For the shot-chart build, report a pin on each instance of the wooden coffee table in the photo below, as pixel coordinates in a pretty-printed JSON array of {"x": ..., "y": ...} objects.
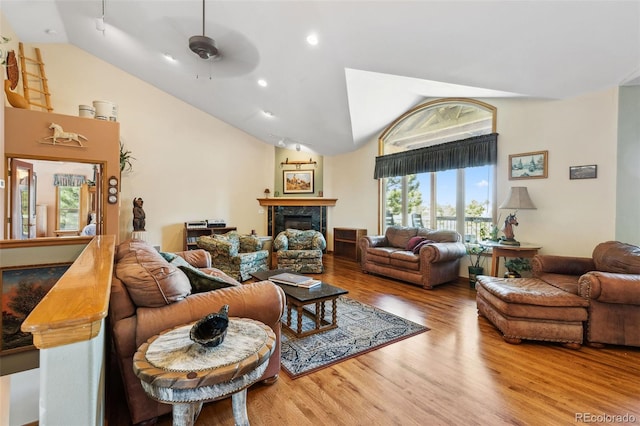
[{"x": 299, "y": 297}]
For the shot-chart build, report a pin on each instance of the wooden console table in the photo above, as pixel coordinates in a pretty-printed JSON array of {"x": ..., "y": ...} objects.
[{"x": 502, "y": 250}]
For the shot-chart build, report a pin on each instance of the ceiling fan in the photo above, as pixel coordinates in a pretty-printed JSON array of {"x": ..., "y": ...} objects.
[{"x": 203, "y": 46}]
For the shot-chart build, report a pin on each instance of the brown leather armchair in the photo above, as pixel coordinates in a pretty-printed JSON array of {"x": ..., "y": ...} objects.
[
  {"x": 138, "y": 311},
  {"x": 610, "y": 281}
]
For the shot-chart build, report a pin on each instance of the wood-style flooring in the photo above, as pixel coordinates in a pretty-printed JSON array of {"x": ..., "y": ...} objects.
[{"x": 460, "y": 372}]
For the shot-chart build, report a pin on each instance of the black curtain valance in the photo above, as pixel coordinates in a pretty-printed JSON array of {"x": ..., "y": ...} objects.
[{"x": 472, "y": 152}]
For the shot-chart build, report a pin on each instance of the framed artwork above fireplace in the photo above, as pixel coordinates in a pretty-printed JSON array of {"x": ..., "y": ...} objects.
[{"x": 297, "y": 182}]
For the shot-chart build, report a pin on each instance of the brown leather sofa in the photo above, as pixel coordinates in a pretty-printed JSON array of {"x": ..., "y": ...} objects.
[
  {"x": 151, "y": 293},
  {"x": 417, "y": 255},
  {"x": 610, "y": 281}
]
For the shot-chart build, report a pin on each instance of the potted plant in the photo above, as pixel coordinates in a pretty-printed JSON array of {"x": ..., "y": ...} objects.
[
  {"x": 125, "y": 159},
  {"x": 474, "y": 252},
  {"x": 515, "y": 266}
]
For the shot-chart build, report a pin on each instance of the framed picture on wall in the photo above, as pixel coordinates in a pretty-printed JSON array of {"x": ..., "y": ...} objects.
[
  {"x": 23, "y": 288},
  {"x": 529, "y": 165},
  {"x": 297, "y": 182},
  {"x": 583, "y": 172}
]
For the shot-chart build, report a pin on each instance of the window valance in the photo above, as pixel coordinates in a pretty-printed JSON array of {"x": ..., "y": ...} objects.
[
  {"x": 62, "y": 179},
  {"x": 472, "y": 152}
]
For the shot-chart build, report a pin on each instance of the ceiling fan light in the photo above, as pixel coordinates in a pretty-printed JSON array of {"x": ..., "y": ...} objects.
[{"x": 203, "y": 46}]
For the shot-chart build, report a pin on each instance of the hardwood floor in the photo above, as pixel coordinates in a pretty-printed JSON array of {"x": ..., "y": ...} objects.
[{"x": 460, "y": 372}]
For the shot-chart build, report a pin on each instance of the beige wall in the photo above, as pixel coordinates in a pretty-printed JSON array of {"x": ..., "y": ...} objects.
[
  {"x": 572, "y": 216},
  {"x": 189, "y": 165}
]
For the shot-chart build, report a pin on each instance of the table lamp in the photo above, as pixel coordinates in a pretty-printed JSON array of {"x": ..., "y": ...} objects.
[{"x": 518, "y": 199}]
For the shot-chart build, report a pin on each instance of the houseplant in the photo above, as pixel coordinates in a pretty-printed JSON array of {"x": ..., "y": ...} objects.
[
  {"x": 474, "y": 253},
  {"x": 515, "y": 266},
  {"x": 125, "y": 159}
]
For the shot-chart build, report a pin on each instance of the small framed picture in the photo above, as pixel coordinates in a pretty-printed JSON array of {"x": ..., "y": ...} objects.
[
  {"x": 298, "y": 182},
  {"x": 529, "y": 165},
  {"x": 583, "y": 172}
]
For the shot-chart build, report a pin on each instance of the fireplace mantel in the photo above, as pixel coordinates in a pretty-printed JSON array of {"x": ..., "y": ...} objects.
[
  {"x": 290, "y": 201},
  {"x": 279, "y": 208}
]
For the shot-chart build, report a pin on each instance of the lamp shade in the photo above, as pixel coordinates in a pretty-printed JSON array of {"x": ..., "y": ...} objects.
[{"x": 518, "y": 199}]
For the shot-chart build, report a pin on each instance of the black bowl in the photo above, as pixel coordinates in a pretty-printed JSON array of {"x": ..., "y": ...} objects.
[{"x": 211, "y": 330}]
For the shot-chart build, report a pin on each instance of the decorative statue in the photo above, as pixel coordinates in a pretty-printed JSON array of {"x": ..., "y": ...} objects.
[
  {"x": 509, "y": 223},
  {"x": 138, "y": 215}
]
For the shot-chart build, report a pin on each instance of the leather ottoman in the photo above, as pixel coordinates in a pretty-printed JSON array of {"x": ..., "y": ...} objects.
[{"x": 531, "y": 309}]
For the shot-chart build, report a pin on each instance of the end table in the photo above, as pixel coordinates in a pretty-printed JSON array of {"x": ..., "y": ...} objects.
[{"x": 175, "y": 370}]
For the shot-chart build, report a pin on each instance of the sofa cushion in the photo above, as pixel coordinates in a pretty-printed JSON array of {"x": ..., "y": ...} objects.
[
  {"x": 249, "y": 243},
  {"x": 226, "y": 244},
  {"x": 150, "y": 280},
  {"x": 440, "y": 235},
  {"x": 617, "y": 257},
  {"x": 399, "y": 236}
]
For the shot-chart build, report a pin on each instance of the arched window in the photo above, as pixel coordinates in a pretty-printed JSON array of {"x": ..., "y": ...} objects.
[{"x": 437, "y": 167}]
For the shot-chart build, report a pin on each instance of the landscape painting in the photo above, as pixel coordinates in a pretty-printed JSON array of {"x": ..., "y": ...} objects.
[
  {"x": 298, "y": 182},
  {"x": 530, "y": 165},
  {"x": 22, "y": 289}
]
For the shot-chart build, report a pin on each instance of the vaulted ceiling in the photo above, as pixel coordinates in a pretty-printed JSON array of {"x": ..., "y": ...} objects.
[{"x": 374, "y": 60}]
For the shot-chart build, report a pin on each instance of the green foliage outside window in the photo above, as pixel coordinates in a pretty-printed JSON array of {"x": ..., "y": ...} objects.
[{"x": 69, "y": 207}]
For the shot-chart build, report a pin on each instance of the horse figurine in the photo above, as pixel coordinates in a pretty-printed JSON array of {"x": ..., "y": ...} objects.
[
  {"x": 510, "y": 221},
  {"x": 62, "y": 137}
]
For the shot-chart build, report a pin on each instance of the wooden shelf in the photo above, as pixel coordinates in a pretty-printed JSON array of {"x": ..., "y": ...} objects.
[
  {"x": 345, "y": 242},
  {"x": 291, "y": 201}
]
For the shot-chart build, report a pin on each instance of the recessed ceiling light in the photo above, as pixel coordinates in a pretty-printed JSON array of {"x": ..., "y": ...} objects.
[
  {"x": 267, "y": 113},
  {"x": 168, "y": 57},
  {"x": 262, "y": 82},
  {"x": 312, "y": 39}
]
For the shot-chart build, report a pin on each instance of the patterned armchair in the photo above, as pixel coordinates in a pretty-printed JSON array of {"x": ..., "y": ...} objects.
[
  {"x": 236, "y": 255},
  {"x": 300, "y": 251}
]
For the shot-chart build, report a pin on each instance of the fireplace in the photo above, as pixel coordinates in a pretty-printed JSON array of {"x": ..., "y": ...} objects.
[
  {"x": 296, "y": 213},
  {"x": 298, "y": 221}
]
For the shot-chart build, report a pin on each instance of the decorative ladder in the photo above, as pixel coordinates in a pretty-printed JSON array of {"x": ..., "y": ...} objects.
[{"x": 38, "y": 77}]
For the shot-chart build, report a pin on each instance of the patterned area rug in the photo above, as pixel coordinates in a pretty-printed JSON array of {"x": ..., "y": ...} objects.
[{"x": 361, "y": 328}]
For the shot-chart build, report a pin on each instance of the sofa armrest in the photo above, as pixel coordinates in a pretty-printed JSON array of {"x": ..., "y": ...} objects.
[
  {"x": 199, "y": 258},
  {"x": 262, "y": 301},
  {"x": 442, "y": 252},
  {"x": 565, "y": 265},
  {"x": 318, "y": 242},
  {"x": 281, "y": 242},
  {"x": 607, "y": 287},
  {"x": 374, "y": 241}
]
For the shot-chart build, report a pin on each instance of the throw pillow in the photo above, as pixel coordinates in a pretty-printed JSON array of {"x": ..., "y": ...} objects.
[
  {"x": 151, "y": 281},
  {"x": 201, "y": 282},
  {"x": 422, "y": 243},
  {"x": 168, "y": 256},
  {"x": 413, "y": 242}
]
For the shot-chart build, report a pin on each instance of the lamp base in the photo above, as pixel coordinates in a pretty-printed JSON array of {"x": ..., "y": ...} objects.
[{"x": 509, "y": 242}]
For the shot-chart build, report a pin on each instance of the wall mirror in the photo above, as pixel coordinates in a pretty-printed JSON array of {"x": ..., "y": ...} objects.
[{"x": 53, "y": 198}]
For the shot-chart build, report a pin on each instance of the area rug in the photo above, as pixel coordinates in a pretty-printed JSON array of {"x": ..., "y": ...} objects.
[{"x": 361, "y": 328}]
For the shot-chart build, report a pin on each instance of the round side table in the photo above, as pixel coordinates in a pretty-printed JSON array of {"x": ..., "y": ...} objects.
[{"x": 173, "y": 369}]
